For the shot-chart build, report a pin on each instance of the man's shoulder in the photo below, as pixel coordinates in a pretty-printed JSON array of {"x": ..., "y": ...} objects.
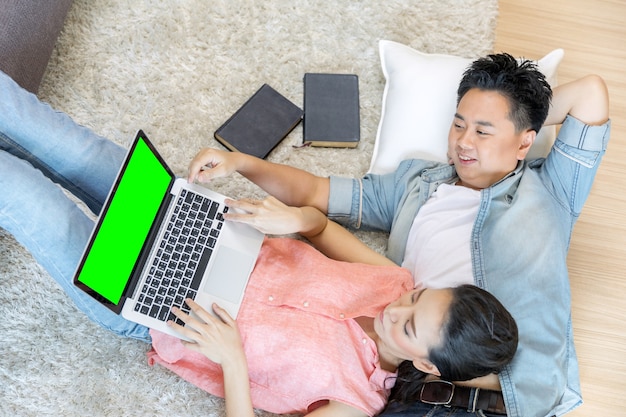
[{"x": 425, "y": 167}]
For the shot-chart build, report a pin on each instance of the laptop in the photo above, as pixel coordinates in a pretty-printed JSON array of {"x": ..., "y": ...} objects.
[{"x": 160, "y": 240}]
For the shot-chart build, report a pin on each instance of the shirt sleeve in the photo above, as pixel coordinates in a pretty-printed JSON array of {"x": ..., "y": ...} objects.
[
  {"x": 571, "y": 166},
  {"x": 343, "y": 201},
  {"x": 591, "y": 140},
  {"x": 372, "y": 202}
]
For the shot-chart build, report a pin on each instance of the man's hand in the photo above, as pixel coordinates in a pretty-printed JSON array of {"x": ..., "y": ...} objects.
[
  {"x": 212, "y": 163},
  {"x": 290, "y": 185}
]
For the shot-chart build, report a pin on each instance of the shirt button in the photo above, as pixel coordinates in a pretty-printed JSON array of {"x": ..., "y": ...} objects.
[
  {"x": 306, "y": 304},
  {"x": 270, "y": 298},
  {"x": 342, "y": 316},
  {"x": 364, "y": 340}
]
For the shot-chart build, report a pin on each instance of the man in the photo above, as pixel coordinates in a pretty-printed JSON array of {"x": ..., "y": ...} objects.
[
  {"x": 42, "y": 150},
  {"x": 489, "y": 217}
]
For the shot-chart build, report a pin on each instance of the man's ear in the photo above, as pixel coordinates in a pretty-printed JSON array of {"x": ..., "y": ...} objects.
[
  {"x": 527, "y": 140},
  {"x": 426, "y": 366}
]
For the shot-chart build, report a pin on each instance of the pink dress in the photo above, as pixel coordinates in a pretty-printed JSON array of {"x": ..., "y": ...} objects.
[{"x": 302, "y": 346}]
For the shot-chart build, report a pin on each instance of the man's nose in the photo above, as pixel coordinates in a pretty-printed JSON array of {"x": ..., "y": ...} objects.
[{"x": 465, "y": 140}]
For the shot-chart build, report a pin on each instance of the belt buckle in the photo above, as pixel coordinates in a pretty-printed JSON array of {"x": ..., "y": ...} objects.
[{"x": 434, "y": 392}]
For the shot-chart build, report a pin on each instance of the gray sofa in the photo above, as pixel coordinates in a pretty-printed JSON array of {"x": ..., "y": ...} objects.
[{"x": 28, "y": 32}]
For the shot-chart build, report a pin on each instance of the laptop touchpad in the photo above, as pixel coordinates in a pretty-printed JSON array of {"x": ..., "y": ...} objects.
[{"x": 229, "y": 274}]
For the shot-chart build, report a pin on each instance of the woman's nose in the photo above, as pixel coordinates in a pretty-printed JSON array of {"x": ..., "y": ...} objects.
[{"x": 396, "y": 312}]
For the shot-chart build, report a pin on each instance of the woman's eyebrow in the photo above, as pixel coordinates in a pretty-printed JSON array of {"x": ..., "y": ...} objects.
[{"x": 415, "y": 313}]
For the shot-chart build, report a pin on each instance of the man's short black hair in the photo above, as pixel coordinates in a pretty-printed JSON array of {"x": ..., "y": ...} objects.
[{"x": 521, "y": 82}]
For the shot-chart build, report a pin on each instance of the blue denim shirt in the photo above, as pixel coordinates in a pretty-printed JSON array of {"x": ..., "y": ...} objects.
[{"x": 519, "y": 248}]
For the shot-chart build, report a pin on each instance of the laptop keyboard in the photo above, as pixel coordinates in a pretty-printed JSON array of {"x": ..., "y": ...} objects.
[{"x": 176, "y": 271}]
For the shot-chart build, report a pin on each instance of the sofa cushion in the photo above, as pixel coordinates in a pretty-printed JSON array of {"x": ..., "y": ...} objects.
[{"x": 28, "y": 32}]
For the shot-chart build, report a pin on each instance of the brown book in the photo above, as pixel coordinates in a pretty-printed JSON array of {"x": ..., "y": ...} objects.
[
  {"x": 331, "y": 110},
  {"x": 260, "y": 124}
]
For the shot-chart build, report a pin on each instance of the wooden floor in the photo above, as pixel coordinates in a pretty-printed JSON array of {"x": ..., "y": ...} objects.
[{"x": 593, "y": 35}]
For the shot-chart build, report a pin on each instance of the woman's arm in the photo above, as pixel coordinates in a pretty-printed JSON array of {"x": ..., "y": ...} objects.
[
  {"x": 290, "y": 185},
  {"x": 586, "y": 99},
  {"x": 274, "y": 217},
  {"x": 237, "y": 389},
  {"x": 219, "y": 340},
  {"x": 335, "y": 408},
  {"x": 338, "y": 243}
]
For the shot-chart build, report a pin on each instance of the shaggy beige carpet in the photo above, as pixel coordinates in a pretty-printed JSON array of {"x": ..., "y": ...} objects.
[{"x": 178, "y": 69}]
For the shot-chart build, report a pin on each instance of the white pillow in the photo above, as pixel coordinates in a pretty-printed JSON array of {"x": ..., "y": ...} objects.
[{"x": 419, "y": 102}]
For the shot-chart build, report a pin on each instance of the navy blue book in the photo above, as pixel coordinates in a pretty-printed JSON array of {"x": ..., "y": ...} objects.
[
  {"x": 331, "y": 110},
  {"x": 260, "y": 124}
]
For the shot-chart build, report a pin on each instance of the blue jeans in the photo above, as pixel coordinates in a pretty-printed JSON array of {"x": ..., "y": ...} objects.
[
  {"x": 419, "y": 409},
  {"x": 40, "y": 150}
]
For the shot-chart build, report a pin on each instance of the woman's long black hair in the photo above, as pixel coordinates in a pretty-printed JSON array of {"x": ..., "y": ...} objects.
[{"x": 479, "y": 337}]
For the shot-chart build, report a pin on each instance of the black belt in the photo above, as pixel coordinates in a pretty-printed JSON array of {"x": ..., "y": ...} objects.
[{"x": 472, "y": 399}]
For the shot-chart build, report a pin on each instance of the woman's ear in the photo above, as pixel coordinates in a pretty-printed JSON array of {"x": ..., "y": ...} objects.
[{"x": 426, "y": 366}]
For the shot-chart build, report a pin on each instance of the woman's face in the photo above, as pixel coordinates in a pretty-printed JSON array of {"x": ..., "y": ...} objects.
[{"x": 411, "y": 325}]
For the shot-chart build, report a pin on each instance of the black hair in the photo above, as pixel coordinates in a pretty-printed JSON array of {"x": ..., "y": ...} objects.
[
  {"x": 520, "y": 82},
  {"x": 479, "y": 337}
]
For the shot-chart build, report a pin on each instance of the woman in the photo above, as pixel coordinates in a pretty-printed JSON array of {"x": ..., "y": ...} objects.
[
  {"x": 42, "y": 148},
  {"x": 316, "y": 330}
]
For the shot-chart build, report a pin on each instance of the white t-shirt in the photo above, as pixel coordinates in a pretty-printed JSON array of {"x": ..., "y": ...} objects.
[{"x": 438, "y": 248}]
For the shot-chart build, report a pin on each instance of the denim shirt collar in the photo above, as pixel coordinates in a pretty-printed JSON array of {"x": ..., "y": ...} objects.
[{"x": 446, "y": 174}]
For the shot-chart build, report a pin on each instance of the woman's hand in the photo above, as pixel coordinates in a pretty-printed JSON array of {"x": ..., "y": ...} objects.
[
  {"x": 268, "y": 216},
  {"x": 217, "y": 338}
]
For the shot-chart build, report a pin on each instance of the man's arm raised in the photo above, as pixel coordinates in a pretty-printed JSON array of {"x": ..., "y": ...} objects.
[{"x": 586, "y": 99}]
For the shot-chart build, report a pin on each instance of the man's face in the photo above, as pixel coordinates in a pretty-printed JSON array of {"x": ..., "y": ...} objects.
[{"x": 483, "y": 144}]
